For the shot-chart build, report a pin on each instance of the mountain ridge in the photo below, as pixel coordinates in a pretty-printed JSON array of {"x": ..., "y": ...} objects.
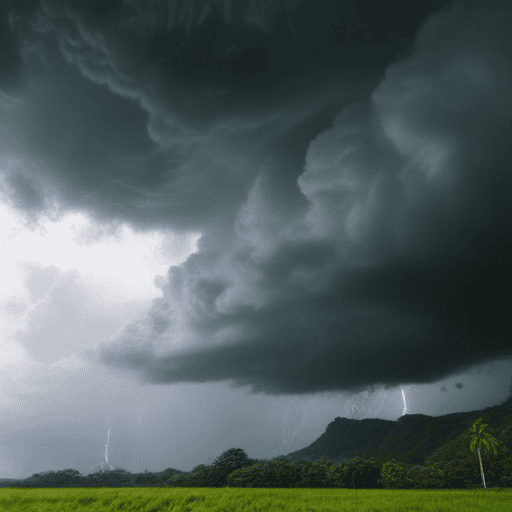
[{"x": 411, "y": 439}]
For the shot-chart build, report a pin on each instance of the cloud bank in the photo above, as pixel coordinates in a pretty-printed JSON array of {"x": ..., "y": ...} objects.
[{"x": 354, "y": 234}]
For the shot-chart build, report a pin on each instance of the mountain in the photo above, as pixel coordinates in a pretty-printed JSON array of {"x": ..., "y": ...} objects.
[{"x": 411, "y": 439}]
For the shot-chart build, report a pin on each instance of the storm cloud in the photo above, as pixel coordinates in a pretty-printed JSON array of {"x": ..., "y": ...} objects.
[{"x": 347, "y": 165}]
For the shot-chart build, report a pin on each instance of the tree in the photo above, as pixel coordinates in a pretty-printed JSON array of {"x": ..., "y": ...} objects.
[
  {"x": 229, "y": 461},
  {"x": 276, "y": 473},
  {"x": 366, "y": 474},
  {"x": 490, "y": 440}
]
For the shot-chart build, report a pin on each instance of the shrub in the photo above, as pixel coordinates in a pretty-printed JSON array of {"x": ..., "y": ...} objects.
[
  {"x": 272, "y": 474},
  {"x": 336, "y": 476},
  {"x": 365, "y": 474},
  {"x": 309, "y": 474}
]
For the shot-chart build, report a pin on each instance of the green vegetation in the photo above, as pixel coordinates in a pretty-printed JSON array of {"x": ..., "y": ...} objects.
[
  {"x": 251, "y": 500},
  {"x": 490, "y": 440},
  {"x": 410, "y": 439}
]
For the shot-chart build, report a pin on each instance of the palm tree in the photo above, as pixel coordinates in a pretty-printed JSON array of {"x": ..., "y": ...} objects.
[{"x": 490, "y": 440}]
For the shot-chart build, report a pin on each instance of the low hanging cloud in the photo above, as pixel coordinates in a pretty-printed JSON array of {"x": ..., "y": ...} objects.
[{"x": 376, "y": 255}]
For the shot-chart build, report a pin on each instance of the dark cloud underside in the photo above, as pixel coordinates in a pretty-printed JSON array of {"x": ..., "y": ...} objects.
[{"x": 348, "y": 164}]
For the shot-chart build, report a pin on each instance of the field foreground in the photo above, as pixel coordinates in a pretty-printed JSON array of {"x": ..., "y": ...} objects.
[{"x": 253, "y": 500}]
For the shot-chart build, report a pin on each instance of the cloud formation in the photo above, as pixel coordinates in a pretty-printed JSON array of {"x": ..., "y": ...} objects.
[{"x": 356, "y": 230}]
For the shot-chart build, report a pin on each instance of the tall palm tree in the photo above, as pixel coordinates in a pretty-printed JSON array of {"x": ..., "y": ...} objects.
[{"x": 490, "y": 440}]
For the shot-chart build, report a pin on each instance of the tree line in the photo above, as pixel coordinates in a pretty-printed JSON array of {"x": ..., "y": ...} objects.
[{"x": 233, "y": 468}]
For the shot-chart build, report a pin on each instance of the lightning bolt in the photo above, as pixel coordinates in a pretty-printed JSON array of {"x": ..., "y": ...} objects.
[
  {"x": 106, "y": 447},
  {"x": 103, "y": 466},
  {"x": 380, "y": 406},
  {"x": 405, "y": 403},
  {"x": 286, "y": 416}
]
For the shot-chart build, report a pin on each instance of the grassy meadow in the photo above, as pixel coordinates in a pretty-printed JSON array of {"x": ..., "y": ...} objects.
[{"x": 253, "y": 500}]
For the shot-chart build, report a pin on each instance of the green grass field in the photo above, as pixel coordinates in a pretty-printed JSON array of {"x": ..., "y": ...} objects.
[{"x": 252, "y": 500}]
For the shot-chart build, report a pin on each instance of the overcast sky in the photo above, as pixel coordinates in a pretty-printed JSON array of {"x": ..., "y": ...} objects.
[{"x": 225, "y": 223}]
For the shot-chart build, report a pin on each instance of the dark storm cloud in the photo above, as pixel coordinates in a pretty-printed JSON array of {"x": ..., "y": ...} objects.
[
  {"x": 125, "y": 134},
  {"x": 355, "y": 208},
  {"x": 158, "y": 113}
]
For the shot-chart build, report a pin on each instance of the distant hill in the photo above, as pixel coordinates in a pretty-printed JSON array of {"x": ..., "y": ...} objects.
[{"x": 412, "y": 439}]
